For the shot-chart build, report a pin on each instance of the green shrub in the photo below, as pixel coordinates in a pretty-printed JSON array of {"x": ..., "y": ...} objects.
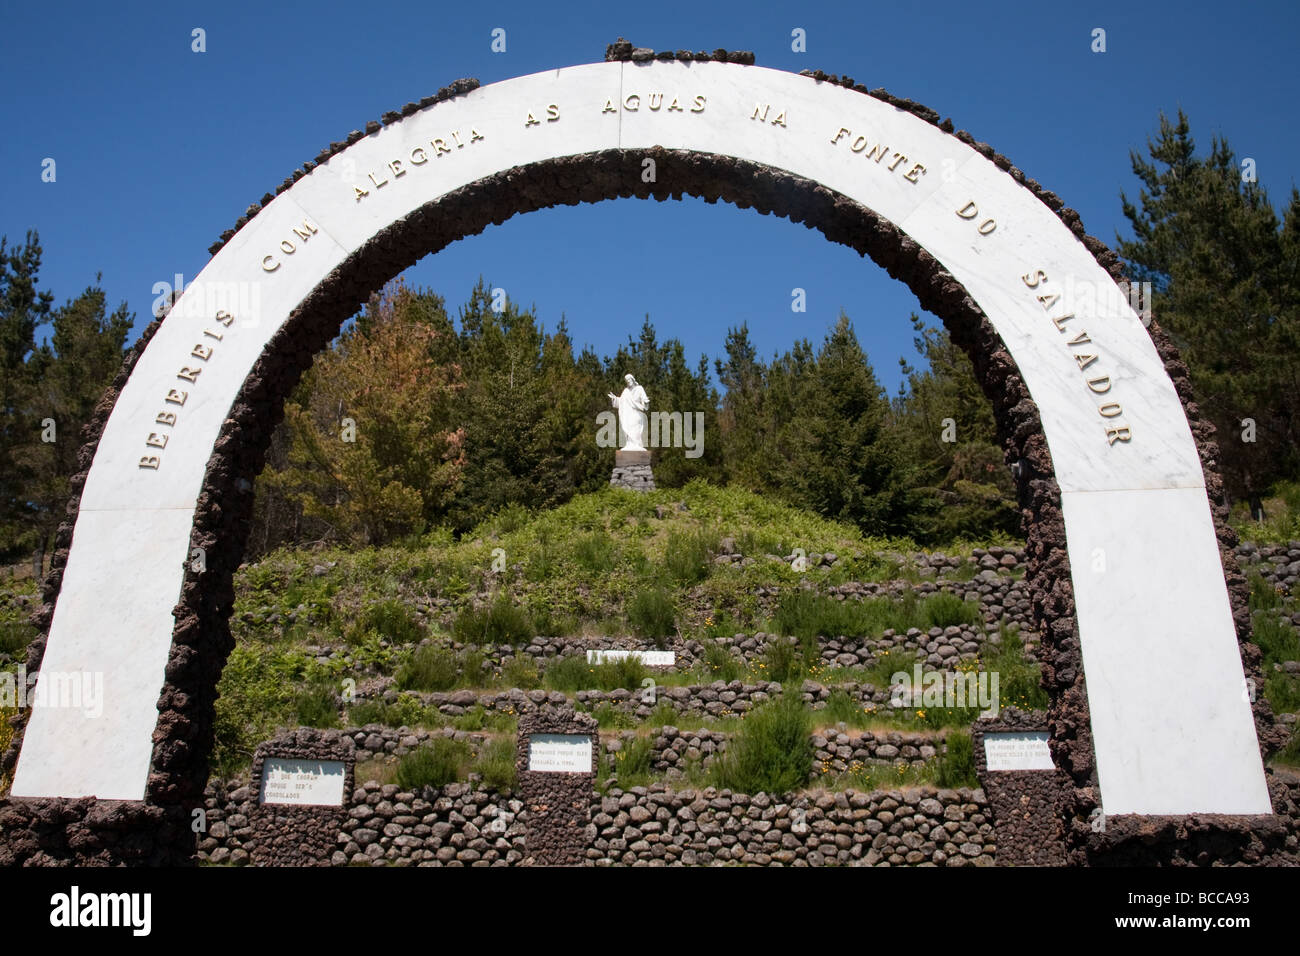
[
  {"x": 436, "y": 764},
  {"x": 632, "y": 762},
  {"x": 1263, "y": 596},
  {"x": 1276, "y": 638},
  {"x": 841, "y": 708},
  {"x": 811, "y": 653},
  {"x": 510, "y": 517},
  {"x": 772, "y": 751},
  {"x": 1281, "y": 523},
  {"x": 546, "y": 623},
  {"x": 663, "y": 715},
  {"x": 687, "y": 556},
  {"x": 430, "y": 668},
  {"x": 1290, "y": 753},
  {"x": 543, "y": 563},
  {"x": 964, "y": 572},
  {"x": 496, "y": 764},
  {"x": 318, "y": 706},
  {"x": 15, "y": 636},
  {"x": 1019, "y": 679},
  {"x": 498, "y": 623},
  {"x": 652, "y": 615},
  {"x": 945, "y": 610},
  {"x": 610, "y": 718},
  {"x": 568, "y": 674},
  {"x": 573, "y": 673},
  {"x": 888, "y": 664},
  {"x": 368, "y": 712},
  {"x": 479, "y": 718},
  {"x": 782, "y": 660},
  {"x": 594, "y": 552},
  {"x": 1283, "y": 692},
  {"x": 472, "y": 664},
  {"x": 720, "y": 664},
  {"x": 406, "y": 711},
  {"x": 755, "y": 544},
  {"x": 805, "y": 614},
  {"x": 627, "y": 673},
  {"x": 520, "y": 671},
  {"x": 472, "y": 720},
  {"x": 721, "y": 623},
  {"x": 257, "y": 694},
  {"x": 389, "y": 618},
  {"x": 956, "y": 767}
]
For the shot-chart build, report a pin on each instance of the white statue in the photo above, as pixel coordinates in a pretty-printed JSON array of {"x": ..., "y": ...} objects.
[{"x": 632, "y": 407}]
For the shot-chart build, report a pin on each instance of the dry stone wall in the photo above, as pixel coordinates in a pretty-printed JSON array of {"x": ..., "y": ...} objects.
[
  {"x": 673, "y": 749},
  {"x": 289, "y": 835},
  {"x": 459, "y": 826},
  {"x": 717, "y": 699}
]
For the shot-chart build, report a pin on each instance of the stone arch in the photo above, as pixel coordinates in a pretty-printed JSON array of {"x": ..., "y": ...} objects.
[{"x": 334, "y": 232}]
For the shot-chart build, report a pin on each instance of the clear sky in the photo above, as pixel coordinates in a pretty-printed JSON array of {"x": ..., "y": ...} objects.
[{"x": 159, "y": 149}]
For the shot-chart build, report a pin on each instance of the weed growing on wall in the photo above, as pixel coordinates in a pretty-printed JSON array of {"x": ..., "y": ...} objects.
[
  {"x": 772, "y": 751},
  {"x": 435, "y": 764}
]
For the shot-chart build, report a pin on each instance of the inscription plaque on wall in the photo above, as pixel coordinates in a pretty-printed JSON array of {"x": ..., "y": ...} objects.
[
  {"x": 1026, "y": 750},
  {"x": 316, "y": 783},
  {"x": 559, "y": 753}
]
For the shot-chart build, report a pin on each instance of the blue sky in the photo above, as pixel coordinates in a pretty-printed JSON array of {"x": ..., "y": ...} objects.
[{"x": 159, "y": 149}]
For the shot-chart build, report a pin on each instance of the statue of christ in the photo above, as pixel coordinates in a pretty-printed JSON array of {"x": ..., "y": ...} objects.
[{"x": 632, "y": 406}]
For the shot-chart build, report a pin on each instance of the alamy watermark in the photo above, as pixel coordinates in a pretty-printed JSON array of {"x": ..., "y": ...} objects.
[
  {"x": 945, "y": 689},
  {"x": 667, "y": 430},
  {"x": 202, "y": 299},
  {"x": 1107, "y": 300},
  {"x": 83, "y": 690}
]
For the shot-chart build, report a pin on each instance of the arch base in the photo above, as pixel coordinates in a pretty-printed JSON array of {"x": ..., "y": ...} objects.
[{"x": 90, "y": 832}]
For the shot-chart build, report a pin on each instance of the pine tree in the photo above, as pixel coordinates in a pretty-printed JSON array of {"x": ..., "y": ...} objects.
[
  {"x": 23, "y": 310},
  {"x": 959, "y": 483},
  {"x": 506, "y": 413},
  {"x": 742, "y": 419},
  {"x": 48, "y": 393},
  {"x": 68, "y": 375},
  {"x": 373, "y": 454},
  {"x": 842, "y": 461},
  {"x": 576, "y": 395},
  {"x": 1224, "y": 274}
]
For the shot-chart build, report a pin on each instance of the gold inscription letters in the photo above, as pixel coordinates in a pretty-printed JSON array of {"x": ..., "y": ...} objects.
[{"x": 1085, "y": 356}]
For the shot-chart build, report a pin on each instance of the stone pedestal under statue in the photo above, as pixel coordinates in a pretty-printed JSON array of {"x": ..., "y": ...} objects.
[
  {"x": 632, "y": 470},
  {"x": 632, "y": 460}
]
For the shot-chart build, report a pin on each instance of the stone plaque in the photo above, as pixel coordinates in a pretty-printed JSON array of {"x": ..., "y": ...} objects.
[
  {"x": 1024, "y": 750},
  {"x": 648, "y": 658},
  {"x": 317, "y": 783},
  {"x": 559, "y": 753}
]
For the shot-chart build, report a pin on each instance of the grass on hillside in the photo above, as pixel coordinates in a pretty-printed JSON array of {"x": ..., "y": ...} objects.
[
  {"x": 600, "y": 555},
  {"x": 266, "y": 688},
  {"x": 1278, "y": 641},
  {"x": 605, "y": 563},
  {"x": 1281, "y": 523},
  {"x": 805, "y": 614}
]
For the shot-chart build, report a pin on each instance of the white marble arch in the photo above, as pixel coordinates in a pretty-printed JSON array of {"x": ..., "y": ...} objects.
[{"x": 1172, "y": 728}]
